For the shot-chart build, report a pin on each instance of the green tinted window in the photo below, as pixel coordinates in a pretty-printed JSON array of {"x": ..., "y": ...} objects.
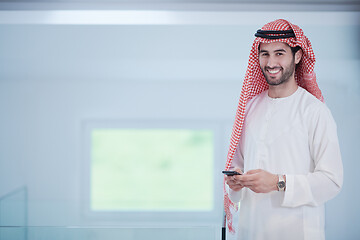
[{"x": 154, "y": 169}]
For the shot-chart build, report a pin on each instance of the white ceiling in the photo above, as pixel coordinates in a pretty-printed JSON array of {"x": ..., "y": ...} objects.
[{"x": 184, "y": 5}]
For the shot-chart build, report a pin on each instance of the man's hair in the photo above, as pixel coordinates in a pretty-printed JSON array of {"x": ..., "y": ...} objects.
[{"x": 295, "y": 49}]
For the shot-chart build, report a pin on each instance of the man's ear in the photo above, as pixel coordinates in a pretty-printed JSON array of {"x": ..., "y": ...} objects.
[{"x": 298, "y": 56}]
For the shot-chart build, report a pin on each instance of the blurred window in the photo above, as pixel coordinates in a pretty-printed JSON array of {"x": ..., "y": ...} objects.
[{"x": 151, "y": 169}]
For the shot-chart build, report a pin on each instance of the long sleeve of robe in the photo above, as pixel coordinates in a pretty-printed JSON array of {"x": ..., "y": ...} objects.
[{"x": 295, "y": 136}]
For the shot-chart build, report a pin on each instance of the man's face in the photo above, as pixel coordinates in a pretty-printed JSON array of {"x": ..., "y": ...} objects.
[{"x": 277, "y": 62}]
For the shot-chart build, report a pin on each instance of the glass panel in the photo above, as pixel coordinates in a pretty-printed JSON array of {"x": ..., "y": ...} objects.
[
  {"x": 13, "y": 213},
  {"x": 107, "y": 233}
]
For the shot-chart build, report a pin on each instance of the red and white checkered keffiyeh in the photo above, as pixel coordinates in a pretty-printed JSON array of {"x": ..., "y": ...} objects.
[{"x": 255, "y": 83}]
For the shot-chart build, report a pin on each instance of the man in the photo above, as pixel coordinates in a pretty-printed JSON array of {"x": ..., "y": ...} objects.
[{"x": 284, "y": 142}]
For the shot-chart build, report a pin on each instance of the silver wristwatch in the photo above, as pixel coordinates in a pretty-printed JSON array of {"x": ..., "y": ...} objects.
[{"x": 281, "y": 183}]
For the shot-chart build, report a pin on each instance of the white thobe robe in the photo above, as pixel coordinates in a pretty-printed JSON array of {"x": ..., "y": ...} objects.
[{"x": 295, "y": 136}]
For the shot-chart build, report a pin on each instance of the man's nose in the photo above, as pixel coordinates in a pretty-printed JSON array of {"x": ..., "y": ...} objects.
[{"x": 271, "y": 63}]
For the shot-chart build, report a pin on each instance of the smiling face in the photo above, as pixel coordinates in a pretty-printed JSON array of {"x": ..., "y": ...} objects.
[{"x": 277, "y": 62}]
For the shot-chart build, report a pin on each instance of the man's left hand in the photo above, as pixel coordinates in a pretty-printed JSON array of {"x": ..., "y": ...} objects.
[{"x": 259, "y": 181}]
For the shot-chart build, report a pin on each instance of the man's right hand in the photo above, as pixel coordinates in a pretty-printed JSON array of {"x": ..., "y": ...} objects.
[{"x": 233, "y": 181}]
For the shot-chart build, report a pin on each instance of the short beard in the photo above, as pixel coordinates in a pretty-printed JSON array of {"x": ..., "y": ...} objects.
[{"x": 284, "y": 78}]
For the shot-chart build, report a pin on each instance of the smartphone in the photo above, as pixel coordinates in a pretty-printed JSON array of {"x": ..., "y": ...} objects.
[{"x": 231, "y": 173}]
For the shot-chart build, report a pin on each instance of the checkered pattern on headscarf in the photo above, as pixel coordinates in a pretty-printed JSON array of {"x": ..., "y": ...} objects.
[{"x": 255, "y": 83}]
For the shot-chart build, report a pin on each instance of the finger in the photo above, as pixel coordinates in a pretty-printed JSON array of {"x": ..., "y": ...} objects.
[
  {"x": 248, "y": 180},
  {"x": 232, "y": 185},
  {"x": 247, "y": 177},
  {"x": 228, "y": 181},
  {"x": 228, "y": 178},
  {"x": 238, "y": 170},
  {"x": 236, "y": 186},
  {"x": 253, "y": 171},
  {"x": 233, "y": 182}
]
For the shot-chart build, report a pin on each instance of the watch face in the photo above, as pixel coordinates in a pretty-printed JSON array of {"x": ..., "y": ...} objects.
[{"x": 281, "y": 184}]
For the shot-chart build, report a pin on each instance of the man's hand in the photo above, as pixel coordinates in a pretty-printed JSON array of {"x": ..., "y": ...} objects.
[
  {"x": 233, "y": 181},
  {"x": 259, "y": 181}
]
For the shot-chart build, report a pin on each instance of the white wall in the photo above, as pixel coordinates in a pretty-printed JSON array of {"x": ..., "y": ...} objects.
[{"x": 55, "y": 77}]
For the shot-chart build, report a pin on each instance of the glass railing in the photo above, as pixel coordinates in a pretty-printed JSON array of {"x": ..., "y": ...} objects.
[
  {"x": 108, "y": 233},
  {"x": 14, "y": 225},
  {"x": 13, "y": 208}
]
